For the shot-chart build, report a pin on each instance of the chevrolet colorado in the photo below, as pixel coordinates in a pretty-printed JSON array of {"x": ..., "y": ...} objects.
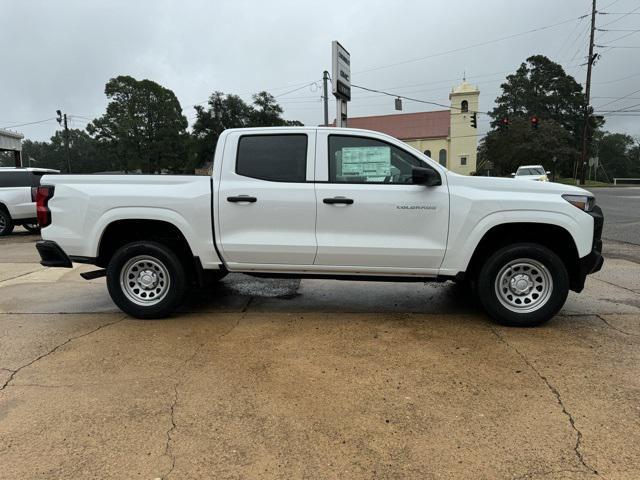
[{"x": 324, "y": 203}]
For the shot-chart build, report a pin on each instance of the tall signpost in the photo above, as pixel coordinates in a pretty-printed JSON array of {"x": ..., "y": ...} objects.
[{"x": 341, "y": 63}]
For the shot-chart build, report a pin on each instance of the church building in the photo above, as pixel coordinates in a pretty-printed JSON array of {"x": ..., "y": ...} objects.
[{"x": 447, "y": 136}]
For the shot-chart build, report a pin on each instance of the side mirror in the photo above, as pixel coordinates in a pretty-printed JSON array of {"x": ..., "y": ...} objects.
[
  {"x": 425, "y": 176},
  {"x": 512, "y": 174}
]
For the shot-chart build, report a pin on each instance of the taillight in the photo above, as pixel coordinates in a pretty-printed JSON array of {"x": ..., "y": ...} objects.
[{"x": 43, "y": 195}]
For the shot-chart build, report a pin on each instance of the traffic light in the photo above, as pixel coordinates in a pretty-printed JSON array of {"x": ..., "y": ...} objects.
[
  {"x": 474, "y": 120},
  {"x": 535, "y": 121}
]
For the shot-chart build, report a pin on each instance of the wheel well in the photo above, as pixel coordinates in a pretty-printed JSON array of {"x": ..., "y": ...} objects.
[
  {"x": 122, "y": 232},
  {"x": 555, "y": 238},
  {"x": 4, "y": 208}
]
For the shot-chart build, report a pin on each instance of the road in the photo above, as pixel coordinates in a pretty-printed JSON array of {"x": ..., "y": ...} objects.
[
  {"x": 262, "y": 379},
  {"x": 621, "y": 207}
]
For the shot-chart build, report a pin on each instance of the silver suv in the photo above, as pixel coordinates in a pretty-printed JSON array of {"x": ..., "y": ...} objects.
[{"x": 18, "y": 189}]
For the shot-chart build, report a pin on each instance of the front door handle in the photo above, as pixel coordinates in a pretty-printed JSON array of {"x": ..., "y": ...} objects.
[
  {"x": 338, "y": 200},
  {"x": 242, "y": 198}
]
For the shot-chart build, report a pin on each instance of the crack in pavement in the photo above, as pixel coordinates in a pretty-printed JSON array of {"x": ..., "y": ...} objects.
[
  {"x": 21, "y": 275},
  {"x": 616, "y": 328},
  {"x": 167, "y": 447},
  {"x": 543, "y": 473},
  {"x": 40, "y": 357},
  {"x": 618, "y": 286},
  {"x": 559, "y": 400}
]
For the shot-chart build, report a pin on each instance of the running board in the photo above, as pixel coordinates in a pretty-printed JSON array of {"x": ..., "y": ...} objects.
[{"x": 95, "y": 274}]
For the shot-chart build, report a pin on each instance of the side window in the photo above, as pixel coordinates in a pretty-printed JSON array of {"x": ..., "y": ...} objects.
[
  {"x": 442, "y": 157},
  {"x": 15, "y": 179},
  {"x": 365, "y": 160},
  {"x": 276, "y": 158}
]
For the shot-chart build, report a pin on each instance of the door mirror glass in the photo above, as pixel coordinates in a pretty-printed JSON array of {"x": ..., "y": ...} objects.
[{"x": 425, "y": 176}]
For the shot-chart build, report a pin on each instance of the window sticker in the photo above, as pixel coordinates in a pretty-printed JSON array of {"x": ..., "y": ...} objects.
[{"x": 366, "y": 161}]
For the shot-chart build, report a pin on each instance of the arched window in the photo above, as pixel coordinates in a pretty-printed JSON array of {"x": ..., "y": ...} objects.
[
  {"x": 464, "y": 106},
  {"x": 427, "y": 153},
  {"x": 442, "y": 157}
]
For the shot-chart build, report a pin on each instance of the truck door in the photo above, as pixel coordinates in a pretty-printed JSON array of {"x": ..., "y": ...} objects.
[
  {"x": 370, "y": 214},
  {"x": 266, "y": 199}
]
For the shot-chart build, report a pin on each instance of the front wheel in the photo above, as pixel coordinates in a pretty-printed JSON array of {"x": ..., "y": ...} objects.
[
  {"x": 146, "y": 280},
  {"x": 523, "y": 285}
]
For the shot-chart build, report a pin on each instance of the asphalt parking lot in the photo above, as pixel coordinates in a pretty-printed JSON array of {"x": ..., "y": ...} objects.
[{"x": 315, "y": 380}]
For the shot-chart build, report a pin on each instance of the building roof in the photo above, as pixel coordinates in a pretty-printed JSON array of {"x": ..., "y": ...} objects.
[{"x": 406, "y": 126}]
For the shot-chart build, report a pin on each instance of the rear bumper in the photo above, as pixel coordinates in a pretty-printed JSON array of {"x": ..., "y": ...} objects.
[
  {"x": 592, "y": 262},
  {"x": 52, "y": 255}
]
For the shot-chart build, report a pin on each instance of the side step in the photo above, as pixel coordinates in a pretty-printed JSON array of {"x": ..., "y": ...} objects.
[{"x": 95, "y": 274}]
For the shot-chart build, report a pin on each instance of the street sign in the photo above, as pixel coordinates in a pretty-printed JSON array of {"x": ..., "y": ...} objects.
[{"x": 341, "y": 62}]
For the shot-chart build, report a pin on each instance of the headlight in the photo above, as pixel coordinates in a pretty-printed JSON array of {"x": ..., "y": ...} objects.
[{"x": 583, "y": 202}]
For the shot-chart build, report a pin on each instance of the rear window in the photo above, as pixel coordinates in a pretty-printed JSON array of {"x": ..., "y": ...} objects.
[{"x": 276, "y": 158}]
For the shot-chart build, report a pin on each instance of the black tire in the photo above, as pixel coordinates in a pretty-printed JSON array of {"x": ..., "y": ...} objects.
[
  {"x": 535, "y": 269},
  {"x": 6, "y": 224},
  {"x": 161, "y": 264},
  {"x": 33, "y": 228}
]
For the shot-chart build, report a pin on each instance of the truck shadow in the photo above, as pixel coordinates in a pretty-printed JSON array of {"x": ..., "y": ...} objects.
[{"x": 242, "y": 292}]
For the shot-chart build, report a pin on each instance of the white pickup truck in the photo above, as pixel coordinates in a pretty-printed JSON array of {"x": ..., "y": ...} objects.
[{"x": 324, "y": 203}]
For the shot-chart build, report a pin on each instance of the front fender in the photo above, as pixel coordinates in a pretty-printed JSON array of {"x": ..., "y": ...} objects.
[{"x": 464, "y": 242}]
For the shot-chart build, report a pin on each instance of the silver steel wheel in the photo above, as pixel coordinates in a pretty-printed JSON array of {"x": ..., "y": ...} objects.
[
  {"x": 523, "y": 285},
  {"x": 145, "y": 280}
]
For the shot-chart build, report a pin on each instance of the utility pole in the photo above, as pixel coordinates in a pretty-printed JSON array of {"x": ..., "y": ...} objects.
[
  {"x": 585, "y": 133},
  {"x": 63, "y": 119},
  {"x": 325, "y": 92}
]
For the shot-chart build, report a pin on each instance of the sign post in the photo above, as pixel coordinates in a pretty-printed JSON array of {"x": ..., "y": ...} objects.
[{"x": 341, "y": 63}]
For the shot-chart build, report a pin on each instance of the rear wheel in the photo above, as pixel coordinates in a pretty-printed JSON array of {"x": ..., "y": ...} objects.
[
  {"x": 523, "y": 285},
  {"x": 6, "y": 225},
  {"x": 146, "y": 280}
]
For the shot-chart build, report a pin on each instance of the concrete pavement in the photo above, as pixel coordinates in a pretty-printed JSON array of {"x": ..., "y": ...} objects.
[
  {"x": 621, "y": 207},
  {"x": 315, "y": 379}
]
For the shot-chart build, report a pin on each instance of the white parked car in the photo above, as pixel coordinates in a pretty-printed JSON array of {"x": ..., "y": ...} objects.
[
  {"x": 322, "y": 202},
  {"x": 531, "y": 172},
  {"x": 18, "y": 197}
]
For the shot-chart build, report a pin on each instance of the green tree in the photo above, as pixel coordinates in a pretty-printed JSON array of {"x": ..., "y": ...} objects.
[
  {"x": 230, "y": 111},
  {"x": 519, "y": 144},
  {"x": 224, "y": 111},
  {"x": 84, "y": 154},
  {"x": 143, "y": 127},
  {"x": 540, "y": 88},
  {"x": 619, "y": 154}
]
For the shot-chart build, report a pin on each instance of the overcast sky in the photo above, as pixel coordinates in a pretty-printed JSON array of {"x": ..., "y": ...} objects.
[{"x": 59, "y": 54}]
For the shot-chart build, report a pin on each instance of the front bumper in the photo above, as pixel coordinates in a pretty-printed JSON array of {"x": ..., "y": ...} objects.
[
  {"x": 592, "y": 262},
  {"x": 52, "y": 255}
]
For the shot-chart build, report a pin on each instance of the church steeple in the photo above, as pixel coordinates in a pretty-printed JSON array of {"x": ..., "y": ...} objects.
[{"x": 463, "y": 137}]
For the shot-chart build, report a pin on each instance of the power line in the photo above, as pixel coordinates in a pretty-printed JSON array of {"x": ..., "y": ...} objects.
[
  {"x": 617, "y": 79},
  {"x": 395, "y": 95},
  {"x": 488, "y": 42},
  {"x": 618, "y": 99},
  {"x": 624, "y": 15},
  {"x": 29, "y": 123},
  {"x": 617, "y": 46},
  {"x": 295, "y": 89}
]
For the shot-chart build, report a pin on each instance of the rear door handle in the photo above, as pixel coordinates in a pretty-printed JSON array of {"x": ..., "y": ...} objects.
[
  {"x": 242, "y": 198},
  {"x": 338, "y": 200}
]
